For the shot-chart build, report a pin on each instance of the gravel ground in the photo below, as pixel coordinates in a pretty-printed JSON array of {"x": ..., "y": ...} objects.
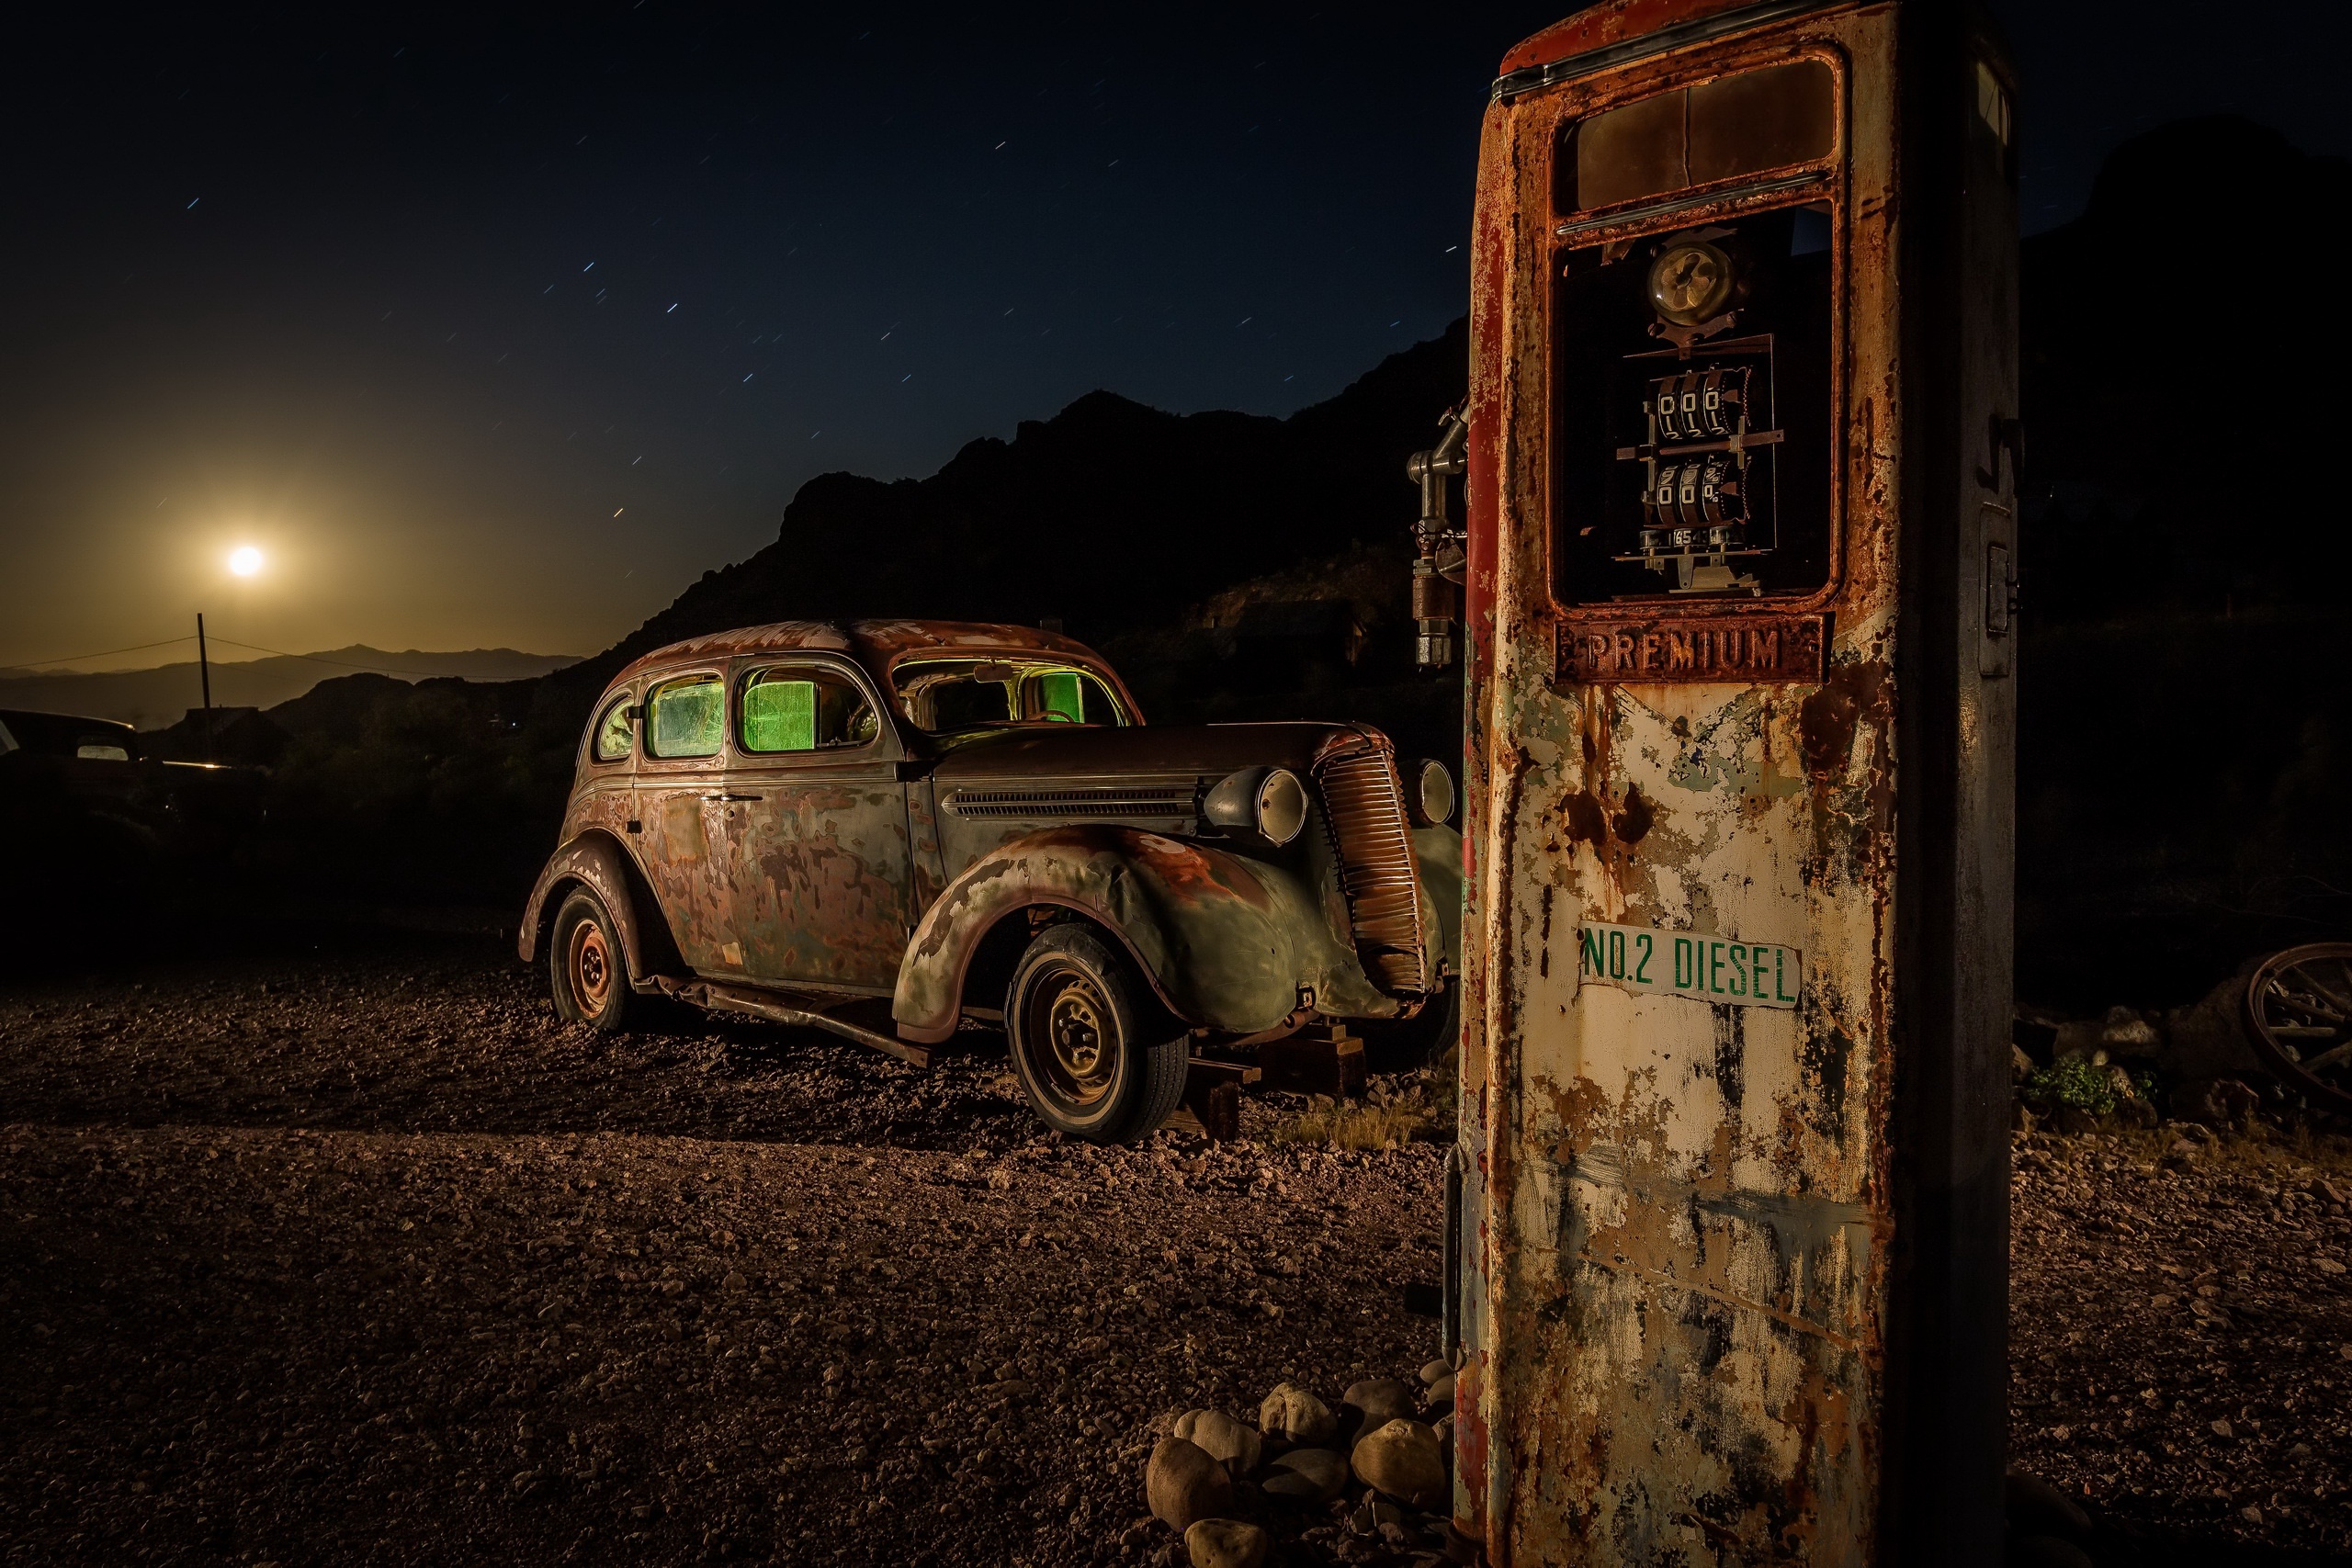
[
  {"x": 349, "y": 1253},
  {"x": 2181, "y": 1332},
  {"x": 362, "y": 1258}
]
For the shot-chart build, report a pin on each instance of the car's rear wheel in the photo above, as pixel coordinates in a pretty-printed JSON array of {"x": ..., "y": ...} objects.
[
  {"x": 1097, "y": 1056},
  {"x": 587, "y": 966}
]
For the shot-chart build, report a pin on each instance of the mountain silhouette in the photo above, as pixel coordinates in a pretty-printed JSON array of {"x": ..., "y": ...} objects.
[
  {"x": 160, "y": 696},
  {"x": 1110, "y": 517}
]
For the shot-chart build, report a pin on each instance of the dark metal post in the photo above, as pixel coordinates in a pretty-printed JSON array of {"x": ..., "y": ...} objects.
[{"x": 204, "y": 673}]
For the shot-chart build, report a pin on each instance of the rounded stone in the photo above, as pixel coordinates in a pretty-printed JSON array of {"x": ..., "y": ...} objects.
[
  {"x": 1295, "y": 1415},
  {"x": 1405, "y": 1460},
  {"x": 1182, "y": 1483},
  {"x": 1313, "y": 1475},
  {"x": 1224, "y": 1543},
  {"x": 1222, "y": 1438},
  {"x": 1433, "y": 1370},
  {"x": 1382, "y": 1400}
]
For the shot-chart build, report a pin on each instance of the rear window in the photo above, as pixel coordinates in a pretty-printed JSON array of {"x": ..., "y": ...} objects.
[
  {"x": 687, "y": 718},
  {"x": 614, "y": 731}
]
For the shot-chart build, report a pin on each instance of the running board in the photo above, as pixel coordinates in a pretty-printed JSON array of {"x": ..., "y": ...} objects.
[{"x": 766, "y": 1005}]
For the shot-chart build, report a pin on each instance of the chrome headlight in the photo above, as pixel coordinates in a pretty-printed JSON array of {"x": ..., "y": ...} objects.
[
  {"x": 1270, "y": 802},
  {"x": 1429, "y": 789}
]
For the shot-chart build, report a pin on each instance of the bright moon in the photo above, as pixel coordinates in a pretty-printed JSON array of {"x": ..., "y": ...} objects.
[{"x": 245, "y": 561}]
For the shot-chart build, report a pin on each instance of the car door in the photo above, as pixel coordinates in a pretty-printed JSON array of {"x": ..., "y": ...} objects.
[
  {"x": 819, "y": 873},
  {"x": 681, "y": 813}
]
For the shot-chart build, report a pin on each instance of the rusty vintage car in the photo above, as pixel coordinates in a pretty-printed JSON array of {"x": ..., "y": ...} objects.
[{"x": 974, "y": 822}]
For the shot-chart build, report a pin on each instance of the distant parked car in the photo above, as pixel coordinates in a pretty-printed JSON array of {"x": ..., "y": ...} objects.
[
  {"x": 974, "y": 822},
  {"x": 109, "y": 849},
  {"x": 83, "y": 791}
]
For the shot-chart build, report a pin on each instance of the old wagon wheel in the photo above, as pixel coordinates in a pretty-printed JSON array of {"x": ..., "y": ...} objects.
[{"x": 2298, "y": 1015}]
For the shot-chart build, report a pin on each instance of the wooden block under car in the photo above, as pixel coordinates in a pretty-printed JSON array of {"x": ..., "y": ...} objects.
[
  {"x": 1212, "y": 1104},
  {"x": 1322, "y": 1059}
]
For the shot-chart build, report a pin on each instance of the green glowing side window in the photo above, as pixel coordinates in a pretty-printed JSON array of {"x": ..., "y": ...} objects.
[
  {"x": 1060, "y": 691},
  {"x": 686, "y": 717},
  {"x": 803, "y": 708},
  {"x": 779, "y": 715}
]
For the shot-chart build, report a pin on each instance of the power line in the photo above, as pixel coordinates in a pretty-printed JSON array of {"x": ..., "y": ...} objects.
[{"x": 77, "y": 658}]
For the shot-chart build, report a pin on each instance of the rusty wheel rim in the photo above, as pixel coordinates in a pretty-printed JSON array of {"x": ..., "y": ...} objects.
[
  {"x": 2298, "y": 1013},
  {"x": 1071, "y": 1021},
  {"x": 588, "y": 964}
]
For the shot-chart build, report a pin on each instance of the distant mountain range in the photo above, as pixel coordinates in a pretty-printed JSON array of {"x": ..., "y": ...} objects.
[{"x": 153, "y": 698}]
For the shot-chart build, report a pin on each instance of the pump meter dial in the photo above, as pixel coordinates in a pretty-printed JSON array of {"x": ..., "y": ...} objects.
[{"x": 1691, "y": 283}]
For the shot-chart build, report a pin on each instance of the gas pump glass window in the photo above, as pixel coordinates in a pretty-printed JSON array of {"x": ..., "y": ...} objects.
[
  {"x": 1693, "y": 387},
  {"x": 685, "y": 718},
  {"x": 803, "y": 708},
  {"x": 942, "y": 695}
]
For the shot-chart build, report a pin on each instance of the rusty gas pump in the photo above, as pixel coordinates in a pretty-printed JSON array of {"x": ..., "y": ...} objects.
[{"x": 1740, "y": 503}]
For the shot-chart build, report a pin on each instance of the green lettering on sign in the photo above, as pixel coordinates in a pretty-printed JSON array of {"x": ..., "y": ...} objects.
[{"x": 1704, "y": 967}]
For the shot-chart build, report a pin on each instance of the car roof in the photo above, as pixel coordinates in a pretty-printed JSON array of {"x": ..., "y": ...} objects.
[
  {"x": 876, "y": 645},
  {"x": 62, "y": 732}
]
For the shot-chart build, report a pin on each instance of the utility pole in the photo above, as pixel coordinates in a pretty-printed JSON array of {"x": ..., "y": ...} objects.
[{"x": 204, "y": 673}]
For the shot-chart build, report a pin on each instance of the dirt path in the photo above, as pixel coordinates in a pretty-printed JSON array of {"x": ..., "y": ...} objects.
[{"x": 353, "y": 1255}]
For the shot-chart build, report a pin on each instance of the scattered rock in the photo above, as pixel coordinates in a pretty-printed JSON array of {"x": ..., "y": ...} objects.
[
  {"x": 1382, "y": 1400},
  {"x": 1183, "y": 1483},
  {"x": 1434, "y": 1370},
  {"x": 1221, "y": 1438},
  {"x": 1310, "y": 1475},
  {"x": 1295, "y": 1415},
  {"x": 2208, "y": 1039},
  {"x": 1224, "y": 1543},
  {"x": 1440, "y": 1393},
  {"x": 2220, "y": 1103},
  {"x": 1403, "y": 1460}
]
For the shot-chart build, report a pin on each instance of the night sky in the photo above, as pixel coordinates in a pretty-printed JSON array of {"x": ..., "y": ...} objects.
[{"x": 501, "y": 332}]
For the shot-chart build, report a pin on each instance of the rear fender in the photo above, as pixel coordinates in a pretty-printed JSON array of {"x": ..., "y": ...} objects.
[
  {"x": 1215, "y": 934},
  {"x": 595, "y": 859}
]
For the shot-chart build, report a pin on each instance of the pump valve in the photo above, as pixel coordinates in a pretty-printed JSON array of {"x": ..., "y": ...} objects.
[{"x": 1440, "y": 557}]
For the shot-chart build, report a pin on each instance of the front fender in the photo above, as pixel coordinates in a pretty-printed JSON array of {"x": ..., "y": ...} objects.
[
  {"x": 1218, "y": 938},
  {"x": 597, "y": 860},
  {"x": 1437, "y": 856}
]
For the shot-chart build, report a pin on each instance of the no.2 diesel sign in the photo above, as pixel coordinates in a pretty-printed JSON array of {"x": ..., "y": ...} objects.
[{"x": 1702, "y": 966}]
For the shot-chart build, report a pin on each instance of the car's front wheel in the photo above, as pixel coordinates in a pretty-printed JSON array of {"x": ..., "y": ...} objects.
[
  {"x": 1097, "y": 1056},
  {"x": 587, "y": 966}
]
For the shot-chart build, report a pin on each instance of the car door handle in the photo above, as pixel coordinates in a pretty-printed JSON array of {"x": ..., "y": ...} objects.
[{"x": 724, "y": 797}]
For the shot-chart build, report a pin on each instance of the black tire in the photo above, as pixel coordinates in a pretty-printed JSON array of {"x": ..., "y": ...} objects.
[
  {"x": 587, "y": 965},
  {"x": 1097, "y": 1055},
  {"x": 1406, "y": 1046}
]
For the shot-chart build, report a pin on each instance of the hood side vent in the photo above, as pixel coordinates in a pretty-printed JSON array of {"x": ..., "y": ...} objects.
[{"x": 1104, "y": 802}]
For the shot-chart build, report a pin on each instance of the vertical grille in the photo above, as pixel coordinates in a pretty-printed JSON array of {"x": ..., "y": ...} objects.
[{"x": 1364, "y": 807}]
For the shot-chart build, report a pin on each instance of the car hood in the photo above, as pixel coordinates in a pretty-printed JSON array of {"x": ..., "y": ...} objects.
[{"x": 1142, "y": 750}]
